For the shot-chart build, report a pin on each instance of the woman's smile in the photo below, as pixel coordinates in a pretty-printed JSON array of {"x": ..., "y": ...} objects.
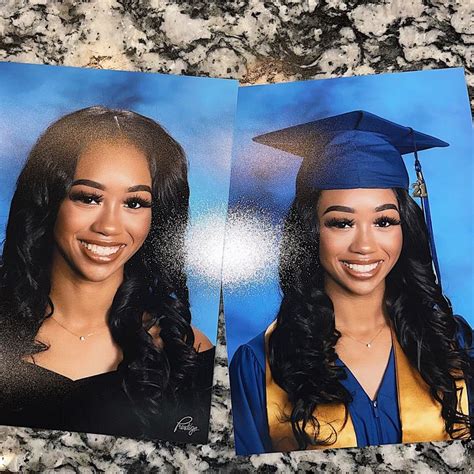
[
  {"x": 363, "y": 269},
  {"x": 103, "y": 251}
]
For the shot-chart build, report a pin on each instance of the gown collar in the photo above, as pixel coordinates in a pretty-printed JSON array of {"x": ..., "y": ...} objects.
[{"x": 420, "y": 413}]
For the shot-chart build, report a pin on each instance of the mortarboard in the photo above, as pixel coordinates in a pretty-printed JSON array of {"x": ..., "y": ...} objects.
[{"x": 356, "y": 150}]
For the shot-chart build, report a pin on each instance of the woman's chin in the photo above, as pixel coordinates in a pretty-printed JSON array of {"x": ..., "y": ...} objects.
[
  {"x": 355, "y": 287},
  {"x": 363, "y": 290},
  {"x": 98, "y": 275}
]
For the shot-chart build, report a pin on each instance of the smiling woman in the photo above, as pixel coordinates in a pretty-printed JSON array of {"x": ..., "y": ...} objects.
[
  {"x": 365, "y": 349},
  {"x": 95, "y": 327}
]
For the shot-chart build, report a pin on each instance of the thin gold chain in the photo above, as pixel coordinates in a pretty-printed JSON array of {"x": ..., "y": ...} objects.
[
  {"x": 80, "y": 337},
  {"x": 366, "y": 344}
]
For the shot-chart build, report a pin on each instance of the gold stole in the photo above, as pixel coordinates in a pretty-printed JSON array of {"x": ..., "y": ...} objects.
[{"x": 420, "y": 414}]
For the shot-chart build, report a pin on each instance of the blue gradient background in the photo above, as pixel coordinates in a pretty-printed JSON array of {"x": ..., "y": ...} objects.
[
  {"x": 198, "y": 112},
  {"x": 433, "y": 102}
]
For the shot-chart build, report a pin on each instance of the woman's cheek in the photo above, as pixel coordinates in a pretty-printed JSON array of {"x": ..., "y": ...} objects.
[
  {"x": 71, "y": 219},
  {"x": 329, "y": 247},
  {"x": 333, "y": 242},
  {"x": 140, "y": 225},
  {"x": 392, "y": 242}
]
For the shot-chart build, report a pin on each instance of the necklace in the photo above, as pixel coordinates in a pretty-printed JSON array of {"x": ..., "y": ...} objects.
[
  {"x": 83, "y": 337},
  {"x": 366, "y": 344}
]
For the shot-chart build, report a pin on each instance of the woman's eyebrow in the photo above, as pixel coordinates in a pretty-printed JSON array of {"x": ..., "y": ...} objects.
[
  {"x": 88, "y": 182},
  {"x": 340, "y": 209},
  {"x": 139, "y": 187},
  {"x": 384, "y": 207},
  {"x": 95, "y": 184}
]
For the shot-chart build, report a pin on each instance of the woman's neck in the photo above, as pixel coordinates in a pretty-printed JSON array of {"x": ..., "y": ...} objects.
[
  {"x": 357, "y": 313},
  {"x": 78, "y": 302}
]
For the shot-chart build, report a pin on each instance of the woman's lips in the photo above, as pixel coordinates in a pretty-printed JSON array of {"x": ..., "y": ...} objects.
[
  {"x": 362, "y": 269},
  {"x": 103, "y": 252}
]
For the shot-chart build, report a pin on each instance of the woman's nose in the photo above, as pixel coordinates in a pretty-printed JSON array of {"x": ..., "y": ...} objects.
[
  {"x": 364, "y": 241},
  {"x": 108, "y": 221}
]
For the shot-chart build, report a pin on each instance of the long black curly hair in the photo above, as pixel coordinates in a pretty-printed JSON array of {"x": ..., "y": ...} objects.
[
  {"x": 302, "y": 346},
  {"x": 154, "y": 279}
]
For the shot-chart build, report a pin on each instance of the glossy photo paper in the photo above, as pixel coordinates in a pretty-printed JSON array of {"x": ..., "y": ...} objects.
[
  {"x": 113, "y": 200},
  {"x": 347, "y": 290}
]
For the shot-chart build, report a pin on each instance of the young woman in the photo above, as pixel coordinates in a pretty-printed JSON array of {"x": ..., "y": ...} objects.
[
  {"x": 95, "y": 325},
  {"x": 365, "y": 349}
]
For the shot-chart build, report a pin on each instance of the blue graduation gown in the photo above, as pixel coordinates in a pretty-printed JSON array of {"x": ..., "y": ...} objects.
[{"x": 375, "y": 422}]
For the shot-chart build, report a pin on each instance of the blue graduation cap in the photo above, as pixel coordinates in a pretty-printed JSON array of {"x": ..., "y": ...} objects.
[{"x": 357, "y": 150}]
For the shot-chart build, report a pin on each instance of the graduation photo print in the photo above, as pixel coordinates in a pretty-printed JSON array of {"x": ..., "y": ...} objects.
[
  {"x": 348, "y": 268},
  {"x": 111, "y": 183}
]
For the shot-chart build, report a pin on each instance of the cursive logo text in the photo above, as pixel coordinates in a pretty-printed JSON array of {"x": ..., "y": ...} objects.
[{"x": 186, "y": 424}]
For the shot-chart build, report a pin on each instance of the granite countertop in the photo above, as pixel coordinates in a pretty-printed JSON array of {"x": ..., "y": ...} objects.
[{"x": 257, "y": 42}]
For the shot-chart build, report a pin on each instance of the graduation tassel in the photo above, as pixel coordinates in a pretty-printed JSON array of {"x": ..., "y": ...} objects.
[{"x": 420, "y": 191}]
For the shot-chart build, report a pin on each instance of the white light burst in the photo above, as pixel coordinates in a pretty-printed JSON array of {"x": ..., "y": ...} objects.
[
  {"x": 251, "y": 249},
  {"x": 204, "y": 246}
]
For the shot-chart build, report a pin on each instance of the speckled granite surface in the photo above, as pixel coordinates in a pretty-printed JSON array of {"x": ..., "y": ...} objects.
[{"x": 256, "y": 42}]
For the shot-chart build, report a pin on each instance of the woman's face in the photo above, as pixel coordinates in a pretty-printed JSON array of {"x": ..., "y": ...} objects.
[
  {"x": 360, "y": 238},
  {"x": 106, "y": 216}
]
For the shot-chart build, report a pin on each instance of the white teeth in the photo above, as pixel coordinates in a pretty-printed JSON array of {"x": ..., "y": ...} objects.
[
  {"x": 361, "y": 268},
  {"x": 101, "y": 250}
]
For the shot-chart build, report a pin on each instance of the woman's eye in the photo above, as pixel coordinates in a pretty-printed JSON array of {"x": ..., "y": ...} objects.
[
  {"x": 339, "y": 223},
  {"x": 89, "y": 200},
  {"x": 137, "y": 203},
  {"x": 386, "y": 222},
  {"x": 85, "y": 198},
  {"x": 133, "y": 205}
]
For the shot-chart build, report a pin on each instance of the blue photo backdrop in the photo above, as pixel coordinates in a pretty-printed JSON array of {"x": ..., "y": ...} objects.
[
  {"x": 263, "y": 179},
  {"x": 197, "y": 112}
]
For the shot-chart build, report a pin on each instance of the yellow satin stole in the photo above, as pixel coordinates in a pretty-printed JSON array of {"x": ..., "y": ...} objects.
[{"x": 420, "y": 414}]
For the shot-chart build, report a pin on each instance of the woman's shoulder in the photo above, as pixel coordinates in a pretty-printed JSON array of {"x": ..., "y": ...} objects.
[
  {"x": 464, "y": 332},
  {"x": 251, "y": 354},
  {"x": 201, "y": 341},
  {"x": 205, "y": 353}
]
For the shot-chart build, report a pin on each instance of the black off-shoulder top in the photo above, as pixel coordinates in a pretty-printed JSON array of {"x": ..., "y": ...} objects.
[{"x": 35, "y": 397}]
